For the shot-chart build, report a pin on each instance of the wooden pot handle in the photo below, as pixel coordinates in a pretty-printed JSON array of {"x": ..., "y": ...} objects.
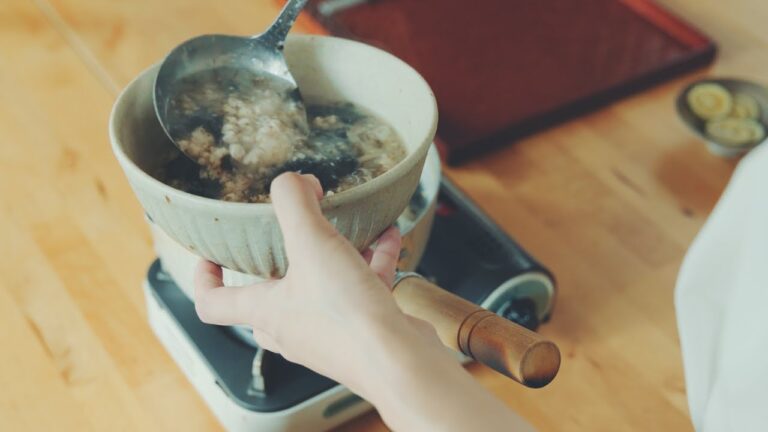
[{"x": 499, "y": 343}]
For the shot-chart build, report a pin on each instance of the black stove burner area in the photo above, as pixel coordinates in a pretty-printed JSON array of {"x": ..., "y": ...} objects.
[
  {"x": 231, "y": 360},
  {"x": 470, "y": 255},
  {"x": 467, "y": 254}
]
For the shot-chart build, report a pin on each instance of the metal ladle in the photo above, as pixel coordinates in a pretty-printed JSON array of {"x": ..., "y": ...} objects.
[{"x": 261, "y": 54}]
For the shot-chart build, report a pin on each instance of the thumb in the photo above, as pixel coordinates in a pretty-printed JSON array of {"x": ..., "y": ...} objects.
[{"x": 295, "y": 200}]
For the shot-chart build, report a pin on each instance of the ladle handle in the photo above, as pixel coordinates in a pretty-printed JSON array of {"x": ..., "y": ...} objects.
[
  {"x": 510, "y": 349},
  {"x": 278, "y": 31}
]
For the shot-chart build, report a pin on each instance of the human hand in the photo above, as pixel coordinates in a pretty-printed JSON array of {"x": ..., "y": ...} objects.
[
  {"x": 332, "y": 306},
  {"x": 334, "y": 313}
]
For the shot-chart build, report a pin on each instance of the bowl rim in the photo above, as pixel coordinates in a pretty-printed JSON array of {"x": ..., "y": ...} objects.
[{"x": 133, "y": 171}]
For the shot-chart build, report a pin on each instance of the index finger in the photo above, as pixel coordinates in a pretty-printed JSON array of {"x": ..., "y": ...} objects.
[{"x": 223, "y": 305}]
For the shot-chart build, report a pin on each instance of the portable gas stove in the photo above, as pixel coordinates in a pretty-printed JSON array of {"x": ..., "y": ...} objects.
[{"x": 249, "y": 388}]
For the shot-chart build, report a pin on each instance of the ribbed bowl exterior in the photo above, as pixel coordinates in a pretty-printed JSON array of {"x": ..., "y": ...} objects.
[
  {"x": 180, "y": 263},
  {"x": 252, "y": 242}
]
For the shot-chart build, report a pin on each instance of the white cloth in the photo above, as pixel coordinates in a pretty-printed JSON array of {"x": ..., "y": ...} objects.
[{"x": 722, "y": 307}]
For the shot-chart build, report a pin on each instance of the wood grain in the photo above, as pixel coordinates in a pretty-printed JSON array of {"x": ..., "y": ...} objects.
[{"x": 609, "y": 201}]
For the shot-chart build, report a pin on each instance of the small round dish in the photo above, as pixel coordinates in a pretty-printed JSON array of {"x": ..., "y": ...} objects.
[{"x": 699, "y": 125}]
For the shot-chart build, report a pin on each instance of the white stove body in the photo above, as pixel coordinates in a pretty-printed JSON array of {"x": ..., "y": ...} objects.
[{"x": 319, "y": 413}]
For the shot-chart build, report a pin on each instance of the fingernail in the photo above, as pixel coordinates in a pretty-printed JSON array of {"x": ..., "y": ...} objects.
[{"x": 316, "y": 185}]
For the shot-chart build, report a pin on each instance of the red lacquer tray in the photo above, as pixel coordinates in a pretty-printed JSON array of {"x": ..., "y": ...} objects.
[{"x": 502, "y": 69}]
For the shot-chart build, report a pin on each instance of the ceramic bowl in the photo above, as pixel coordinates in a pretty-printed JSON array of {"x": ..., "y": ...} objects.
[
  {"x": 246, "y": 237},
  {"x": 415, "y": 225}
]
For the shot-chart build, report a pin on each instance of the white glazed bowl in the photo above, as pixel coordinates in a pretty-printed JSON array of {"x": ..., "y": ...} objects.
[
  {"x": 415, "y": 225},
  {"x": 246, "y": 237}
]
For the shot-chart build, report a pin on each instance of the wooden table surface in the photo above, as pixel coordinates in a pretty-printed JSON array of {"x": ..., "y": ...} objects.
[{"x": 609, "y": 202}]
